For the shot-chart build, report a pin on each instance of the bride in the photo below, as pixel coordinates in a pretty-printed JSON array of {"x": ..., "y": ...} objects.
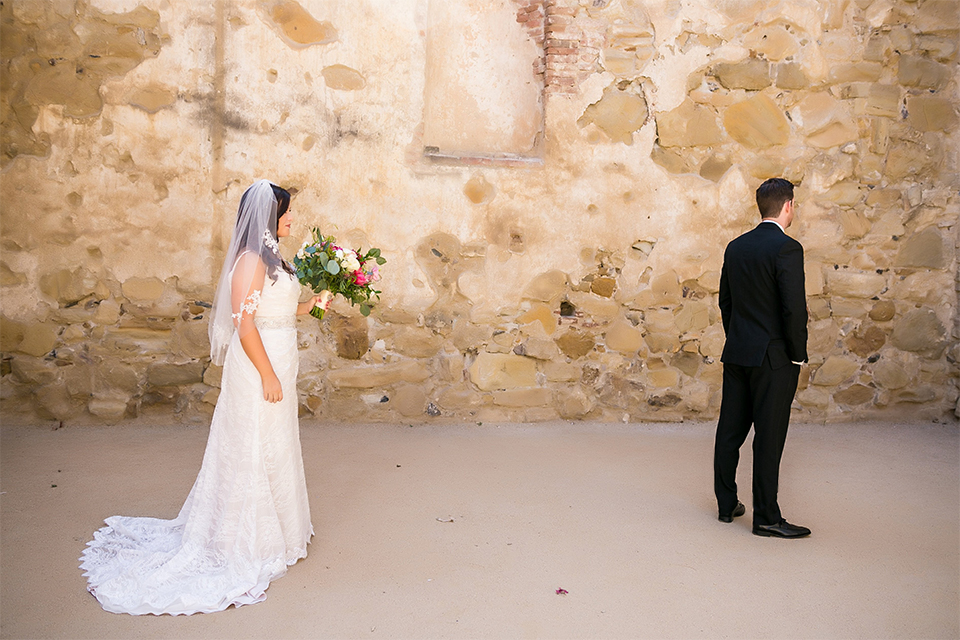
[{"x": 247, "y": 517}]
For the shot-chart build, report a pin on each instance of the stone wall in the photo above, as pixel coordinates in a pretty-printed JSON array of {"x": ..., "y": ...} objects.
[{"x": 575, "y": 279}]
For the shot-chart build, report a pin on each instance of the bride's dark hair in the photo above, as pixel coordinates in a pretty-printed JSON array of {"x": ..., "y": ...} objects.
[
  {"x": 283, "y": 201},
  {"x": 283, "y": 204}
]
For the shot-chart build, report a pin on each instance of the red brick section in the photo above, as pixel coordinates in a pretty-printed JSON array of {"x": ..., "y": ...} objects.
[{"x": 570, "y": 48}]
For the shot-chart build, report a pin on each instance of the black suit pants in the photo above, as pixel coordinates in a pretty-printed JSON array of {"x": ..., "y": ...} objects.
[{"x": 760, "y": 396}]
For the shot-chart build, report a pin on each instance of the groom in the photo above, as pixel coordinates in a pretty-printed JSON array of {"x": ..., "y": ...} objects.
[{"x": 764, "y": 313}]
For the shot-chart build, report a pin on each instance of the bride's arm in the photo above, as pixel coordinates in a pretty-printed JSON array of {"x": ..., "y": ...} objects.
[{"x": 246, "y": 286}]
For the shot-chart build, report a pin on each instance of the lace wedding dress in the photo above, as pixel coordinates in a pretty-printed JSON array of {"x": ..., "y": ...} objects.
[{"x": 246, "y": 518}]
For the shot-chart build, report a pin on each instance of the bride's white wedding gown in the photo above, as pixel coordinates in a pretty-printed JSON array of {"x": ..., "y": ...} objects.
[{"x": 246, "y": 518}]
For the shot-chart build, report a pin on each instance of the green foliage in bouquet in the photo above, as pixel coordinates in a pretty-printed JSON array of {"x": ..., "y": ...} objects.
[{"x": 322, "y": 264}]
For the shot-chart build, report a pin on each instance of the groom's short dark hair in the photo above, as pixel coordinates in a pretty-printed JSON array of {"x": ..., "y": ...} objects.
[{"x": 771, "y": 195}]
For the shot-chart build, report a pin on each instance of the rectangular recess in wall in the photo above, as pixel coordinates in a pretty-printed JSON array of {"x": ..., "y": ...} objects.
[{"x": 483, "y": 100}]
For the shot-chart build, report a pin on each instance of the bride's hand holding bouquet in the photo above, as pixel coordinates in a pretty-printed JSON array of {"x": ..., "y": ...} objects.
[{"x": 324, "y": 266}]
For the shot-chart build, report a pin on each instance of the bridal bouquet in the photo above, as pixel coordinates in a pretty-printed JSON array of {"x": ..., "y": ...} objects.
[{"x": 321, "y": 264}]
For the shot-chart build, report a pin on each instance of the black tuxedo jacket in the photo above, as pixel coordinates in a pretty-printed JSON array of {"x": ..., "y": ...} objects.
[{"x": 762, "y": 301}]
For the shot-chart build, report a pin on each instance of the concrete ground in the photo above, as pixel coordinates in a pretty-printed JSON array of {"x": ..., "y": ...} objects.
[{"x": 620, "y": 516}]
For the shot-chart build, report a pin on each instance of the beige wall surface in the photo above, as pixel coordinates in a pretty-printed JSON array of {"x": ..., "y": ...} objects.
[{"x": 559, "y": 258}]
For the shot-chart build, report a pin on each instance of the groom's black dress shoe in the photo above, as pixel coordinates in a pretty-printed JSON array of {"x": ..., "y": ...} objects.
[
  {"x": 738, "y": 511},
  {"x": 782, "y": 529}
]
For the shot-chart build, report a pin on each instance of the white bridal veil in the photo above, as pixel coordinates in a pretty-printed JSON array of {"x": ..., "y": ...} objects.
[{"x": 253, "y": 255}]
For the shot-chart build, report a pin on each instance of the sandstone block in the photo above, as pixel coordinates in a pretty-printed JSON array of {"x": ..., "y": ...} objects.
[
  {"x": 773, "y": 41},
  {"x": 603, "y": 286},
  {"x": 890, "y": 374},
  {"x": 110, "y": 407},
  {"x": 790, "y": 75},
  {"x": 757, "y": 123},
  {"x": 118, "y": 376},
  {"x": 938, "y": 16},
  {"x": 211, "y": 397},
  {"x": 917, "y": 395},
  {"x": 835, "y": 370},
  {"x": 212, "y": 376},
  {"x": 69, "y": 287},
  {"x": 819, "y": 308},
  {"x": 856, "y": 72},
  {"x": 918, "y": 71},
  {"x": 143, "y": 289},
  {"x": 883, "y": 100},
  {"x": 919, "y": 331},
  {"x": 925, "y": 287},
  {"x": 538, "y": 348},
  {"x": 661, "y": 341},
  {"x": 883, "y": 310},
  {"x": 352, "y": 335},
  {"x": 813, "y": 398},
  {"x": 54, "y": 402},
  {"x": 540, "y": 313},
  {"x": 369, "y": 377},
  {"x": 712, "y": 340},
  {"x": 847, "y": 308},
  {"x": 170, "y": 374},
  {"x": 409, "y": 400},
  {"x": 674, "y": 160},
  {"x": 33, "y": 371},
  {"x": 9, "y": 277},
  {"x": 710, "y": 280},
  {"x": 108, "y": 313},
  {"x": 931, "y": 113},
  {"x": 416, "y": 342},
  {"x": 467, "y": 335},
  {"x": 663, "y": 378},
  {"x": 11, "y": 333},
  {"x": 622, "y": 392},
  {"x": 855, "y": 224},
  {"x": 751, "y": 74},
  {"x": 535, "y": 397},
  {"x": 855, "y": 285},
  {"x": 191, "y": 338},
  {"x": 78, "y": 379},
  {"x": 689, "y": 125},
  {"x": 546, "y": 286},
  {"x": 573, "y": 404},
  {"x": 137, "y": 341},
  {"x": 696, "y": 396},
  {"x": 594, "y": 306},
  {"x": 855, "y": 394},
  {"x": 693, "y": 316},
  {"x": 561, "y": 371},
  {"x": 39, "y": 338},
  {"x": 834, "y": 134},
  {"x": 456, "y": 398},
  {"x": 622, "y": 336},
  {"x": 618, "y": 114},
  {"x": 923, "y": 249},
  {"x": 817, "y": 110},
  {"x": 575, "y": 344},
  {"x": 845, "y": 194},
  {"x": 940, "y": 49},
  {"x": 866, "y": 340},
  {"x": 493, "y": 371},
  {"x": 906, "y": 158},
  {"x": 687, "y": 362}
]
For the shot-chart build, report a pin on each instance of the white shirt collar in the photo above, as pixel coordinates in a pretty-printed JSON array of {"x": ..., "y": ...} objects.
[{"x": 774, "y": 222}]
